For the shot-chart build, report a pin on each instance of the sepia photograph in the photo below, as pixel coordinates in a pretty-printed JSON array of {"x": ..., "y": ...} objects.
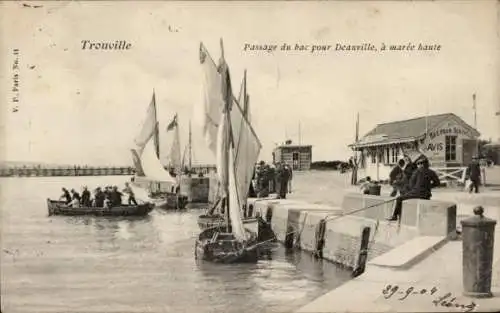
[{"x": 249, "y": 156}]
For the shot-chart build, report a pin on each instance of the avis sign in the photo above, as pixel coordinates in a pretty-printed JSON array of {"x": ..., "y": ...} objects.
[{"x": 435, "y": 147}]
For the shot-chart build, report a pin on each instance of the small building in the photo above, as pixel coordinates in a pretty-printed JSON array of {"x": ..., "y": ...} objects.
[
  {"x": 445, "y": 139},
  {"x": 297, "y": 156}
]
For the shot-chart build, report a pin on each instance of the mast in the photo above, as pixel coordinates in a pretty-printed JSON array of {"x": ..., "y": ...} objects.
[
  {"x": 156, "y": 135},
  {"x": 190, "y": 149},
  {"x": 475, "y": 121},
  {"x": 156, "y": 132},
  {"x": 226, "y": 136}
]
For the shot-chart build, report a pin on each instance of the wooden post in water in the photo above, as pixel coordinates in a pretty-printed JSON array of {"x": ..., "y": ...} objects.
[{"x": 363, "y": 253}]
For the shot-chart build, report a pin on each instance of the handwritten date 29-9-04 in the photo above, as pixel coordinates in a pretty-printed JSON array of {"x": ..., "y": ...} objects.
[{"x": 446, "y": 300}]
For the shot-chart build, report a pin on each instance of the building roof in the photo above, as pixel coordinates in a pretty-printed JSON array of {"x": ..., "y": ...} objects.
[
  {"x": 293, "y": 146},
  {"x": 407, "y": 130}
]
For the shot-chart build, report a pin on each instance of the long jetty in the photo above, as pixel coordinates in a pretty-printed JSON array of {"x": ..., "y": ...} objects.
[{"x": 77, "y": 170}]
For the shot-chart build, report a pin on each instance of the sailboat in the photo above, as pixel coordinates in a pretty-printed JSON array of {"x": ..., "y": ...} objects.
[
  {"x": 162, "y": 186},
  {"x": 230, "y": 135},
  {"x": 214, "y": 216}
]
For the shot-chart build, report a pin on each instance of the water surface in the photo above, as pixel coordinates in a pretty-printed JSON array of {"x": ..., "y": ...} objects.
[{"x": 86, "y": 264}]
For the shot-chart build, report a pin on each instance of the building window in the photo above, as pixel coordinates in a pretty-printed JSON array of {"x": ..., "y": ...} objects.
[
  {"x": 387, "y": 158},
  {"x": 394, "y": 155},
  {"x": 450, "y": 148},
  {"x": 373, "y": 155}
]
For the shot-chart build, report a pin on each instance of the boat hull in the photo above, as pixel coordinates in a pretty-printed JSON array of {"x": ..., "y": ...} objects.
[
  {"x": 169, "y": 201},
  {"x": 225, "y": 251},
  {"x": 60, "y": 208},
  {"x": 210, "y": 221}
]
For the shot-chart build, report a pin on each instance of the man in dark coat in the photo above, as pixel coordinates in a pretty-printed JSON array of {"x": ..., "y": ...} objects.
[
  {"x": 396, "y": 178},
  {"x": 115, "y": 196},
  {"x": 283, "y": 177},
  {"x": 75, "y": 195},
  {"x": 421, "y": 183},
  {"x": 99, "y": 197},
  {"x": 409, "y": 169},
  {"x": 474, "y": 174},
  {"x": 66, "y": 196},
  {"x": 85, "y": 197}
]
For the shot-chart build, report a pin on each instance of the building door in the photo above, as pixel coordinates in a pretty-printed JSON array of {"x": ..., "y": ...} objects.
[
  {"x": 295, "y": 160},
  {"x": 468, "y": 150}
]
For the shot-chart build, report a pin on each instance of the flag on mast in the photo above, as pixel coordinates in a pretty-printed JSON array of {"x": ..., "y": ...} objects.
[{"x": 173, "y": 123}]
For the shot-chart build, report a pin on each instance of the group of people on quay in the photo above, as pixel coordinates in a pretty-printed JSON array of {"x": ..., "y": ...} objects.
[
  {"x": 271, "y": 178},
  {"x": 106, "y": 197},
  {"x": 412, "y": 180}
]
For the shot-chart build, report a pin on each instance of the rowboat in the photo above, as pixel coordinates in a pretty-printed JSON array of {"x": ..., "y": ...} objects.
[{"x": 60, "y": 208}]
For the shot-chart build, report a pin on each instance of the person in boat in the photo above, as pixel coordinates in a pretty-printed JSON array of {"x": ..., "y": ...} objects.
[
  {"x": 115, "y": 196},
  {"x": 85, "y": 197},
  {"x": 75, "y": 195},
  {"x": 66, "y": 196},
  {"x": 75, "y": 203},
  {"x": 421, "y": 183},
  {"x": 131, "y": 197},
  {"x": 107, "y": 204},
  {"x": 396, "y": 178},
  {"x": 265, "y": 231},
  {"x": 99, "y": 197}
]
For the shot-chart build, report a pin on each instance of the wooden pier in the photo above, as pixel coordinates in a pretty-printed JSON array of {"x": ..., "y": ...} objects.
[{"x": 76, "y": 170}]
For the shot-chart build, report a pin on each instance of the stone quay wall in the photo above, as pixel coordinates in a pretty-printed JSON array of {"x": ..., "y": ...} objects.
[
  {"x": 196, "y": 189},
  {"x": 296, "y": 223}
]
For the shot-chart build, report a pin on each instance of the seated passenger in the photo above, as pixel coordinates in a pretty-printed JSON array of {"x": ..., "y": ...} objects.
[
  {"x": 99, "y": 198},
  {"x": 66, "y": 196}
]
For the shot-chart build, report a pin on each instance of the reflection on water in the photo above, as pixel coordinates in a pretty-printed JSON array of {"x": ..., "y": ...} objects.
[{"x": 143, "y": 264}]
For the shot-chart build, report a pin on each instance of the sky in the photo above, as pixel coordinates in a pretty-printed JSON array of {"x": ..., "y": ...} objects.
[{"x": 86, "y": 107}]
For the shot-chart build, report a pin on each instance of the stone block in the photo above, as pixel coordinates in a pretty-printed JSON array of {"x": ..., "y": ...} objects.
[{"x": 436, "y": 218}]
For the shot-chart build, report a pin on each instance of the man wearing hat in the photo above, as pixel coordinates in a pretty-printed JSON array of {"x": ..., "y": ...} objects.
[
  {"x": 421, "y": 183},
  {"x": 85, "y": 197},
  {"x": 473, "y": 173}
]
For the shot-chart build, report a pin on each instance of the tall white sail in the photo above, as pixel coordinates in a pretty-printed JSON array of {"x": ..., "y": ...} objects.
[
  {"x": 235, "y": 202},
  {"x": 246, "y": 147},
  {"x": 209, "y": 113},
  {"x": 221, "y": 160},
  {"x": 175, "y": 152},
  {"x": 151, "y": 165},
  {"x": 242, "y": 158}
]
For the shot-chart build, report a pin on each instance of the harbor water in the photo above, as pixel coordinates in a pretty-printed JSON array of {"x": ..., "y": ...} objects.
[{"x": 88, "y": 264}]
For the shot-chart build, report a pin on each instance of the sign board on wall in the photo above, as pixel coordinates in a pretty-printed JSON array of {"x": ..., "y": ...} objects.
[{"x": 434, "y": 146}]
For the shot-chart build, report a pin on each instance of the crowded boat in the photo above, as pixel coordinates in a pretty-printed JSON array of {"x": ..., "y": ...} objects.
[{"x": 102, "y": 197}]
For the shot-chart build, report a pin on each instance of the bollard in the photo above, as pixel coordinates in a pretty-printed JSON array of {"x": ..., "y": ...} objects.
[{"x": 477, "y": 253}]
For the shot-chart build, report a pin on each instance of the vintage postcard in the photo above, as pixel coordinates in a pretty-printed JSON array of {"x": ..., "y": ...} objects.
[{"x": 250, "y": 156}]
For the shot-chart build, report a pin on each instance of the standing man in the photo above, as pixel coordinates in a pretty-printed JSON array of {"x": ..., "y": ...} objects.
[
  {"x": 421, "y": 183},
  {"x": 290, "y": 176},
  {"x": 474, "y": 174},
  {"x": 396, "y": 178},
  {"x": 131, "y": 196},
  {"x": 86, "y": 197}
]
